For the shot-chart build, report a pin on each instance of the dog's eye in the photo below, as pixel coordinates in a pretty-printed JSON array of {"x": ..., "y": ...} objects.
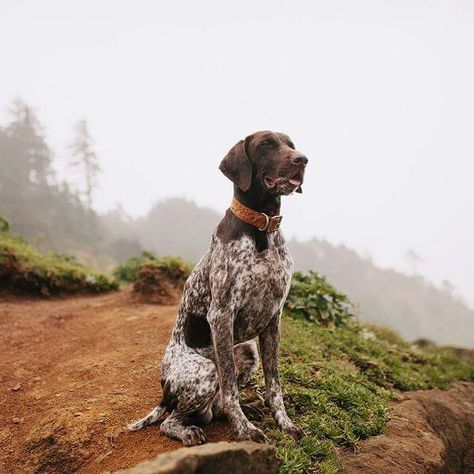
[
  {"x": 291, "y": 145},
  {"x": 269, "y": 143}
]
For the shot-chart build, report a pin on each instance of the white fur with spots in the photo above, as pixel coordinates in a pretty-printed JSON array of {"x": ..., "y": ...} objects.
[{"x": 240, "y": 292}]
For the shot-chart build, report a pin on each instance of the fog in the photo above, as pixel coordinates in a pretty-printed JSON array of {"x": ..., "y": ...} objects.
[{"x": 379, "y": 95}]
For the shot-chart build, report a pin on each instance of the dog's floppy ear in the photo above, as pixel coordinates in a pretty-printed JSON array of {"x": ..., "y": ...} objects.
[{"x": 237, "y": 167}]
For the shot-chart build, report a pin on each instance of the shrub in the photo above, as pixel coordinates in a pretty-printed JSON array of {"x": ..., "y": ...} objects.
[
  {"x": 128, "y": 270},
  {"x": 312, "y": 298},
  {"x": 24, "y": 269},
  {"x": 175, "y": 267}
]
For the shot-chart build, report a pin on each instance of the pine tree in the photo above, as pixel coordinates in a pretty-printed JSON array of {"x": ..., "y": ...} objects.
[
  {"x": 26, "y": 172},
  {"x": 27, "y": 156},
  {"x": 85, "y": 158}
]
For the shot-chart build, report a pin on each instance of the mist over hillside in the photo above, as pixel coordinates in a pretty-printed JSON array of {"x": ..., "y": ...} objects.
[
  {"x": 58, "y": 215},
  {"x": 409, "y": 304}
]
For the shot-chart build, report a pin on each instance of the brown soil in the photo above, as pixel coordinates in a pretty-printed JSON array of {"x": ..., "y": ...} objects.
[{"x": 72, "y": 373}]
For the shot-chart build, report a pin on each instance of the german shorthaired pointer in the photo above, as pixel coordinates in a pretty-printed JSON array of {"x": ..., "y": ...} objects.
[{"x": 234, "y": 294}]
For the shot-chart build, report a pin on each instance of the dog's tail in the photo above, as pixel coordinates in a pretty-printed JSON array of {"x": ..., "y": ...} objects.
[{"x": 151, "y": 418}]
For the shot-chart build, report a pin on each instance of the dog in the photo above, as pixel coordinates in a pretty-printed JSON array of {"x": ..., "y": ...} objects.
[{"x": 235, "y": 293}]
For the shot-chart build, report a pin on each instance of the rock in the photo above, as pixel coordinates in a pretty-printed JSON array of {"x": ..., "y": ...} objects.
[
  {"x": 213, "y": 458},
  {"x": 16, "y": 387},
  {"x": 429, "y": 432}
]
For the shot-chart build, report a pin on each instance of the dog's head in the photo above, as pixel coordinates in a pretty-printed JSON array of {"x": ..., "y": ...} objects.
[{"x": 265, "y": 160}]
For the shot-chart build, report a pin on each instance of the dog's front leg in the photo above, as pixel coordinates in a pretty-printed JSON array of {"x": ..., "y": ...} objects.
[
  {"x": 269, "y": 344},
  {"x": 222, "y": 328}
]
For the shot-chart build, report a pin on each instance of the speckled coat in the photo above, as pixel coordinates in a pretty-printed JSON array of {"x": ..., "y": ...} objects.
[{"x": 234, "y": 294}]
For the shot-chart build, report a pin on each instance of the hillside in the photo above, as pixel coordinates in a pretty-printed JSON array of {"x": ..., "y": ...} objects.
[
  {"x": 59, "y": 216},
  {"x": 74, "y": 370},
  {"x": 23, "y": 269},
  {"x": 409, "y": 304},
  {"x": 412, "y": 306}
]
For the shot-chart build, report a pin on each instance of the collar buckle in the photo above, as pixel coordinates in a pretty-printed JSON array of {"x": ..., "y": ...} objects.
[{"x": 272, "y": 223}]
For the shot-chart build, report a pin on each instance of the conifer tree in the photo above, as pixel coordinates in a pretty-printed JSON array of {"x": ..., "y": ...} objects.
[{"x": 85, "y": 158}]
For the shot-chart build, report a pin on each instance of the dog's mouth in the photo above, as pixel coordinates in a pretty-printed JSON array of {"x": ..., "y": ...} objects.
[
  {"x": 284, "y": 184},
  {"x": 295, "y": 181}
]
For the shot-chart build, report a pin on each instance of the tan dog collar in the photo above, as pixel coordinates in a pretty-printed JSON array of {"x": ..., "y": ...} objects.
[{"x": 260, "y": 220}]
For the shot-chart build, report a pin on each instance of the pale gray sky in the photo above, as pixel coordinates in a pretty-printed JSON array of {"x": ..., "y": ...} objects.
[{"x": 379, "y": 94}]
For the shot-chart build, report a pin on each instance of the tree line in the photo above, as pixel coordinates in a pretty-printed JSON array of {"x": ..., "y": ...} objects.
[{"x": 55, "y": 214}]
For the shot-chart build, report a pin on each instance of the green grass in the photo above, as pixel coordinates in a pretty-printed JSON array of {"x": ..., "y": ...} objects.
[
  {"x": 338, "y": 382},
  {"x": 24, "y": 269}
]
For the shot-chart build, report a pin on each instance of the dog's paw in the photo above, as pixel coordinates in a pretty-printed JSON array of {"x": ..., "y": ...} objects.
[
  {"x": 193, "y": 436},
  {"x": 285, "y": 424},
  {"x": 251, "y": 433},
  {"x": 294, "y": 430},
  {"x": 136, "y": 425}
]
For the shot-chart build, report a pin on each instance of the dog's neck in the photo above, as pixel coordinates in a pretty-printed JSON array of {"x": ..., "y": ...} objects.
[{"x": 258, "y": 200}]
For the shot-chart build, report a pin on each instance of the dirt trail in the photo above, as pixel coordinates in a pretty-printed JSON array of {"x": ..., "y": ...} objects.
[{"x": 72, "y": 373}]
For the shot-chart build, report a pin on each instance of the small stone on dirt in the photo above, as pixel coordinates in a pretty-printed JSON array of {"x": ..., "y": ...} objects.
[{"x": 16, "y": 387}]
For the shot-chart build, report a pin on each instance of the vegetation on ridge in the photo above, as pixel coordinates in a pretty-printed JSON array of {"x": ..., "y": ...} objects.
[
  {"x": 25, "y": 270},
  {"x": 176, "y": 268},
  {"x": 339, "y": 376}
]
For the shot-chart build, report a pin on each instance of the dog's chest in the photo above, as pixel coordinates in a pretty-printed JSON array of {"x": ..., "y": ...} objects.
[{"x": 264, "y": 278}]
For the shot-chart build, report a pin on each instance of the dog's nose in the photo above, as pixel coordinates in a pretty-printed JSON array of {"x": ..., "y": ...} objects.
[{"x": 300, "y": 160}]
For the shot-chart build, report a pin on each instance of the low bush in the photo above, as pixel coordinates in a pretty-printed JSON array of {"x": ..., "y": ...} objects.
[
  {"x": 311, "y": 297},
  {"x": 127, "y": 271},
  {"x": 175, "y": 268}
]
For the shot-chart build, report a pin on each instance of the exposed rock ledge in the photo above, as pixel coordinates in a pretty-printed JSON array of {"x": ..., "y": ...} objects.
[
  {"x": 212, "y": 458},
  {"x": 429, "y": 432}
]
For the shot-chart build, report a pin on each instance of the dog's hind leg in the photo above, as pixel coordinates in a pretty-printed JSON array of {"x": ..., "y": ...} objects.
[
  {"x": 151, "y": 418},
  {"x": 175, "y": 427},
  {"x": 246, "y": 361},
  {"x": 190, "y": 386}
]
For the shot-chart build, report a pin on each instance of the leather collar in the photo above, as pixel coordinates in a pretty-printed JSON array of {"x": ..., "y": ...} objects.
[{"x": 260, "y": 220}]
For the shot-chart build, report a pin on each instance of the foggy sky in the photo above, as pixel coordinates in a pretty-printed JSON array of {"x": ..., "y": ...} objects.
[{"x": 378, "y": 94}]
